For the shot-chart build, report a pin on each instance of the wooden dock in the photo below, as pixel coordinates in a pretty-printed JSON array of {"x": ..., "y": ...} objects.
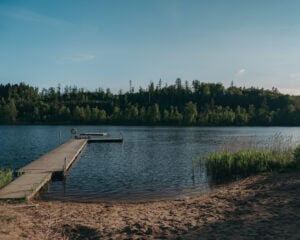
[
  {"x": 95, "y": 140},
  {"x": 94, "y": 134},
  {"x": 54, "y": 161},
  {"x": 37, "y": 173}
]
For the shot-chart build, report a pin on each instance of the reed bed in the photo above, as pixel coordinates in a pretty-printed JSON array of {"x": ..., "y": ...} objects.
[
  {"x": 297, "y": 156},
  {"x": 6, "y": 176},
  {"x": 276, "y": 142},
  {"x": 233, "y": 165},
  {"x": 235, "y": 161}
]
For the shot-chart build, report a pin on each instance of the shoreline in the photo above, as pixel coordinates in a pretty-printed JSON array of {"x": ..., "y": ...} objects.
[
  {"x": 263, "y": 206},
  {"x": 132, "y": 197}
]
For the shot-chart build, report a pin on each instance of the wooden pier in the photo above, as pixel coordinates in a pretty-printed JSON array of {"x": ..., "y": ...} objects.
[
  {"x": 39, "y": 172},
  {"x": 95, "y": 140},
  {"x": 94, "y": 134}
]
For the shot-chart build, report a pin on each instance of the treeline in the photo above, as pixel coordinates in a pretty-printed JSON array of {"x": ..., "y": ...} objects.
[{"x": 196, "y": 103}]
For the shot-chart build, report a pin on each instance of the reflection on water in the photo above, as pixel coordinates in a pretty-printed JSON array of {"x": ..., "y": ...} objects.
[
  {"x": 152, "y": 163},
  {"x": 22, "y": 144}
]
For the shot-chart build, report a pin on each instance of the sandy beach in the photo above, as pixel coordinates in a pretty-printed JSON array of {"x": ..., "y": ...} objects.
[{"x": 259, "y": 207}]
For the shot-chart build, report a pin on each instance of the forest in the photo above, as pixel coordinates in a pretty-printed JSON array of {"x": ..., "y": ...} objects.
[{"x": 179, "y": 104}]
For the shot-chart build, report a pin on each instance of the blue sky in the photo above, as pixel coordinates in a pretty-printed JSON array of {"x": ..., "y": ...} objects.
[{"x": 105, "y": 44}]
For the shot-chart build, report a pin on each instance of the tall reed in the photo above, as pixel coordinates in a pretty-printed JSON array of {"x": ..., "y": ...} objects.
[
  {"x": 232, "y": 165},
  {"x": 6, "y": 176},
  {"x": 297, "y": 156},
  {"x": 276, "y": 142},
  {"x": 243, "y": 158}
]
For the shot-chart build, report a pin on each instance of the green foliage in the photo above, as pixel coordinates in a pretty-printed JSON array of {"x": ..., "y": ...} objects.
[
  {"x": 297, "y": 156},
  {"x": 6, "y": 176},
  {"x": 202, "y": 104},
  {"x": 231, "y": 165},
  {"x": 239, "y": 158},
  {"x": 190, "y": 113}
]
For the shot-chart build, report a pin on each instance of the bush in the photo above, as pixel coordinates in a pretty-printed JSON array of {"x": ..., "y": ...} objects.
[
  {"x": 297, "y": 155},
  {"x": 6, "y": 176}
]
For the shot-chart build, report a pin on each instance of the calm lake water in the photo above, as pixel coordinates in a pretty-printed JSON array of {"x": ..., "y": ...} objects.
[{"x": 151, "y": 163}]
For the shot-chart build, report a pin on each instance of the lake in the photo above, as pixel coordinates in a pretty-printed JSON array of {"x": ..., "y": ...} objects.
[{"x": 151, "y": 163}]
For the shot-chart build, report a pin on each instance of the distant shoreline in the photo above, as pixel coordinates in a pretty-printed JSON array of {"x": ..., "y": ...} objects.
[
  {"x": 136, "y": 125},
  {"x": 180, "y": 104}
]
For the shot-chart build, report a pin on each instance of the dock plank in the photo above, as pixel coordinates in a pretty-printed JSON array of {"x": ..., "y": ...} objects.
[
  {"x": 93, "y": 134},
  {"x": 25, "y": 186},
  {"x": 37, "y": 173},
  {"x": 99, "y": 140},
  {"x": 54, "y": 161}
]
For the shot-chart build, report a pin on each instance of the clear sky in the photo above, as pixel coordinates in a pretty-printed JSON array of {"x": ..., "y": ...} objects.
[{"x": 105, "y": 44}]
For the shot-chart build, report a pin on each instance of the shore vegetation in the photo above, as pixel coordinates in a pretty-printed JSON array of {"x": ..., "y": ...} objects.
[
  {"x": 250, "y": 158},
  {"x": 180, "y": 104},
  {"x": 6, "y": 176}
]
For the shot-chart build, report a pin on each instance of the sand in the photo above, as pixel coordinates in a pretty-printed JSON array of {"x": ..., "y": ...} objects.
[{"x": 259, "y": 207}]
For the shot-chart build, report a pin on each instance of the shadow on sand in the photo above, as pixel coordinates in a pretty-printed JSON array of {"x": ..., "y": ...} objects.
[
  {"x": 270, "y": 210},
  {"x": 80, "y": 232}
]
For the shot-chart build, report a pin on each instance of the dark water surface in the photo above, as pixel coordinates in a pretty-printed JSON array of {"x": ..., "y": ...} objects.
[{"x": 152, "y": 163}]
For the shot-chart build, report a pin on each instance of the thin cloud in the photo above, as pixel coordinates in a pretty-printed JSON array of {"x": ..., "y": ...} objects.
[
  {"x": 294, "y": 75},
  {"x": 240, "y": 72},
  {"x": 25, "y": 15},
  {"x": 81, "y": 58},
  {"x": 31, "y": 16},
  {"x": 290, "y": 91}
]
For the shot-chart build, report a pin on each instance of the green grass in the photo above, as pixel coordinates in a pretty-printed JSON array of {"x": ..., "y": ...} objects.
[
  {"x": 6, "y": 176},
  {"x": 243, "y": 163},
  {"x": 297, "y": 156},
  {"x": 238, "y": 158}
]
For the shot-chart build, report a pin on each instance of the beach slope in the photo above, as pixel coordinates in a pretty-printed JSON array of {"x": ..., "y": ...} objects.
[{"x": 265, "y": 206}]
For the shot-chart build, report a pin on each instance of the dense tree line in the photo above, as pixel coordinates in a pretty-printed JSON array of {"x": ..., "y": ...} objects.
[{"x": 198, "y": 103}]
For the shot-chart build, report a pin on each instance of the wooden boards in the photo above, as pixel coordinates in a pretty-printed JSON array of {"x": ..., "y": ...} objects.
[{"x": 37, "y": 173}]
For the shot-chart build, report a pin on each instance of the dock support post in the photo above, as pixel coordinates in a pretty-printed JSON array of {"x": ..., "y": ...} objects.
[{"x": 65, "y": 167}]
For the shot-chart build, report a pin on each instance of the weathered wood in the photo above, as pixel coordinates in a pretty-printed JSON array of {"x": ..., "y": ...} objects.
[
  {"x": 94, "y": 134},
  {"x": 25, "y": 186},
  {"x": 54, "y": 161},
  {"x": 95, "y": 140},
  {"x": 37, "y": 173}
]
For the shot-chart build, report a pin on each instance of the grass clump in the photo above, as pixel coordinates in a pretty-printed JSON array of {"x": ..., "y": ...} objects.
[
  {"x": 238, "y": 158},
  {"x": 243, "y": 163},
  {"x": 6, "y": 176},
  {"x": 297, "y": 156}
]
